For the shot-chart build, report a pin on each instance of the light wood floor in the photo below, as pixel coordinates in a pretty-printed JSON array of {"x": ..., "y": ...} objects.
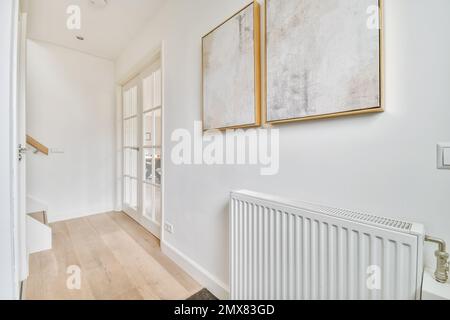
[{"x": 119, "y": 260}]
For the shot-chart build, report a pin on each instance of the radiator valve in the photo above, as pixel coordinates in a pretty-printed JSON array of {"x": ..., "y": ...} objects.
[{"x": 442, "y": 267}]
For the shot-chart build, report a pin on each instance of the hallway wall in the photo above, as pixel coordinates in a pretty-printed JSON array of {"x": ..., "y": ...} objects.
[
  {"x": 71, "y": 107},
  {"x": 384, "y": 164}
]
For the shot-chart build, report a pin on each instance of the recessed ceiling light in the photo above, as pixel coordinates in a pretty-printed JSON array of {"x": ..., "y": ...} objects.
[
  {"x": 98, "y": 3},
  {"x": 80, "y": 38}
]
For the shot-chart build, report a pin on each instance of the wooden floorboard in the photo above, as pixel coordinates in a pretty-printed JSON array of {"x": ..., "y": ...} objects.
[{"x": 118, "y": 260}]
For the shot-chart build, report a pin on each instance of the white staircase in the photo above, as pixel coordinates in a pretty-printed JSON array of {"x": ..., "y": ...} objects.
[{"x": 39, "y": 235}]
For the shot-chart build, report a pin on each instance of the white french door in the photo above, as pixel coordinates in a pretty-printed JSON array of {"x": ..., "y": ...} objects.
[
  {"x": 142, "y": 148},
  {"x": 131, "y": 147},
  {"x": 151, "y": 139}
]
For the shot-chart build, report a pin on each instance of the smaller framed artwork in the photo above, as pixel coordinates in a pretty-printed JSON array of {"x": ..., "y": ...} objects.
[
  {"x": 231, "y": 68},
  {"x": 324, "y": 59}
]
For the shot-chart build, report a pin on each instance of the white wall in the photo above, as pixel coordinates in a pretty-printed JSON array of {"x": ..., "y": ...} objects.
[
  {"x": 383, "y": 164},
  {"x": 7, "y": 283},
  {"x": 71, "y": 106}
]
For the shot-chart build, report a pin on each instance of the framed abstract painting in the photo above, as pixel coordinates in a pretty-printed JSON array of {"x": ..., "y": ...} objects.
[
  {"x": 324, "y": 59},
  {"x": 232, "y": 72}
]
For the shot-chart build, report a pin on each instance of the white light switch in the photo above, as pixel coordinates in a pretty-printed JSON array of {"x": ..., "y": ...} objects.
[
  {"x": 443, "y": 156},
  {"x": 57, "y": 151},
  {"x": 446, "y": 156}
]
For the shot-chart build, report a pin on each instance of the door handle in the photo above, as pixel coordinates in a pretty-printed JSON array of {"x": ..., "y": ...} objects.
[{"x": 22, "y": 150}]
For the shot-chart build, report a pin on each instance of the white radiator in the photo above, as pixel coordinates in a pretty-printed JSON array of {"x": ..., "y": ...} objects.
[{"x": 293, "y": 250}]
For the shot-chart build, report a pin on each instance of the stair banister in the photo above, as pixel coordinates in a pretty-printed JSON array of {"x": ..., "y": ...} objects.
[{"x": 37, "y": 145}]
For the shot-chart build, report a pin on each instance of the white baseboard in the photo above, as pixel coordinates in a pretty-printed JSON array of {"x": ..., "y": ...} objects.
[
  {"x": 65, "y": 217},
  {"x": 217, "y": 287}
]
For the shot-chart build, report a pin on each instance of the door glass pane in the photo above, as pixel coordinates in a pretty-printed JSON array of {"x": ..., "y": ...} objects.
[
  {"x": 126, "y": 190},
  {"x": 126, "y": 162},
  {"x": 152, "y": 166},
  {"x": 130, "y": 100},
  {"x": 148, "y": 165},
  {"x": 148, "y": 92},
  {"x": 130, "y": 131},
  {"x": 152, "y": 128},
  {"x": 149, "y": 201},
  {"x": 130, "y": 154},
  {"x": 157, "y": 202},
  {"x": 158, "y": 89},
  {"x": 126, "y": 133},
  {"x": 158, "y": 170},
  {"x": 152, "y": 202},
  {"x": 152, "y": 184},
  {"x": 133, "y": 196},
  {"x": 157, "y": 132},
  {"x": 130, "y": 192},
  {"x": 126, "y": 104},
  {"x": 148, "y": 129},
  {"x": 130, "y": 163},
  {"x": 134, "y": 160},
  {"x": 134, "y": 101}
]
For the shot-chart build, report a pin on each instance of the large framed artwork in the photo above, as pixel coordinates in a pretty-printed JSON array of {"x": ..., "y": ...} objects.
[
  {"x": 232, "y": 72},
  {"x": 324, "y": 58}
]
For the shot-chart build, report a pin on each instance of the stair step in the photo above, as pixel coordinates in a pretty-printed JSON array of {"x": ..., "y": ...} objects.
[
  {"x": 39, "y": 216},
  {"x": 39, "y": 235}
]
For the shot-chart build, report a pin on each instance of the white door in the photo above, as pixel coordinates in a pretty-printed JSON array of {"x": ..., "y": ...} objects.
[
  {"x": 21, "y": 139},
  {"x": 13, "y": 262},
  {"x": 151, "y": 156},
  {"x": 142, "y": 127},
  {"x": 131, "y": 149}
]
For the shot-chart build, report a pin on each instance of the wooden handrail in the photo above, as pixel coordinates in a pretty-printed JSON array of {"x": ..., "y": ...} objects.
[{"x": 38, "y": 146}]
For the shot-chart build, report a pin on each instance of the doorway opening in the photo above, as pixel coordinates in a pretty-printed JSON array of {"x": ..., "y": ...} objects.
[{"x": 142, "y": 114}]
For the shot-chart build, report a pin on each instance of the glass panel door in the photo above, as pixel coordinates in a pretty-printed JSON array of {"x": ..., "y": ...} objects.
[
  {"x": 142, "y": 149},
  {"x": 130, "y": 148},
  {"x": 152, "y": 143}
]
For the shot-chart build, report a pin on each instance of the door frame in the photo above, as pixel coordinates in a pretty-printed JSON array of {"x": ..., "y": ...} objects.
[
  {"x": 132, "y": 73},
  {"x": 12, "y": 228},
  {"x": 22, "y": 256}
]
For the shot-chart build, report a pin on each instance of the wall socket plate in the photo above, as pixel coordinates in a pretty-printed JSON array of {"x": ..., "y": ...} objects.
[
  {"x": 443, "y": 156},
  {"x": 168, "y": 227}
]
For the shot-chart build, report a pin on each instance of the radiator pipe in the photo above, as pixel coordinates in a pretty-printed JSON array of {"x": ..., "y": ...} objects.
[{"x": 442, "y": 266}]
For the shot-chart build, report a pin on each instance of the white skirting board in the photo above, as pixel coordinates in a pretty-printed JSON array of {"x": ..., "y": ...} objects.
[
  {"x": 53, "y": 218},
  {"x": 217, "y": 287}
]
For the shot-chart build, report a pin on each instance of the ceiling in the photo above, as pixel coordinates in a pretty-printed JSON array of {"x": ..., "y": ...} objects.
[{"x": 106, "y": 31}]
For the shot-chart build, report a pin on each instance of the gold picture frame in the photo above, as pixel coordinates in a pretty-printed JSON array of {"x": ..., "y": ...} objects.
[
  {"x": 257, "y": 69},
  {"x": 369, "y": 110}
]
